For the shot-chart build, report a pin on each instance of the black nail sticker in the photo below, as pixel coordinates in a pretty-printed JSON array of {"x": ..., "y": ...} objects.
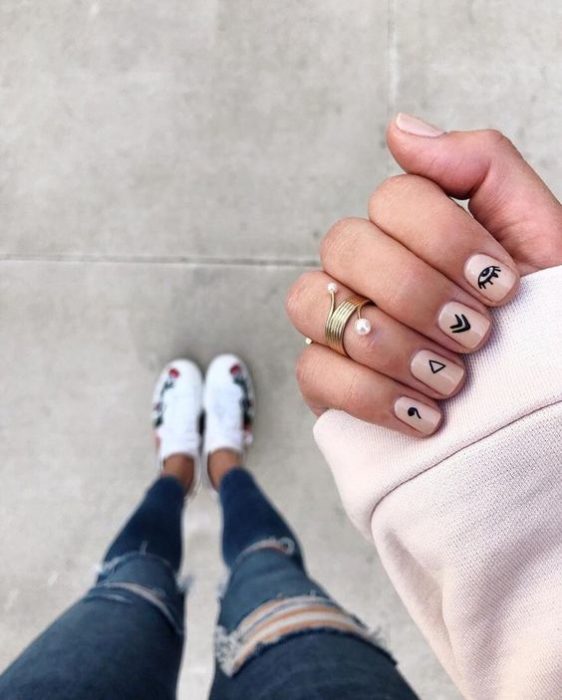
[
  {"x": 461, "y": 325},
  {"x": 487, "y": 275},
  {"x": 413, "y": 411},
  {"x": 436, "y": 366}
]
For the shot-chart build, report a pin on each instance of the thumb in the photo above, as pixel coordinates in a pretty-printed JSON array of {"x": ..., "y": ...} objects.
[{"x": 506, "y": 195}]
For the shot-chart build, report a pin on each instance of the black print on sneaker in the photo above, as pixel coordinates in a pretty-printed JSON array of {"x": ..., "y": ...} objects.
[
  {"x": 173, "y": 374},
  {"x": 461, "y": 325},
  {"x": 436, "y": 366},
  {"x": 487, "y": 275},
  {"x": 247, "y": 406},
  {"x": 413, "y": 411}
]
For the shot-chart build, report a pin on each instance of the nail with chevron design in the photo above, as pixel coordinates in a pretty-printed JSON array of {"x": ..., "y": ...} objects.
[
  {"x": 461, "y": 324},
  {"x": 465, "y": 325}
]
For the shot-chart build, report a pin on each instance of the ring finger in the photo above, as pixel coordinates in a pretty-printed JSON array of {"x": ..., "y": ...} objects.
[{"x": 389, "y": 348}]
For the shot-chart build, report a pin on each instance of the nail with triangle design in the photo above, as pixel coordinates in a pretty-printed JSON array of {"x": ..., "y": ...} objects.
[{"x": 438, "y": 372}]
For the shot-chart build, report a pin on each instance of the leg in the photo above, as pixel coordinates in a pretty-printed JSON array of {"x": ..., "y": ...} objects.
[
  {"x": 249, "y": 519},
  {"x": 124, "y": 639},
  {"x": 279, "y": 634},
  {"x": 155, "y": 527}
]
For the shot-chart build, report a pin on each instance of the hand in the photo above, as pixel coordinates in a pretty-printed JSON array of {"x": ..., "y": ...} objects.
[{"x": 431, "y": 268}]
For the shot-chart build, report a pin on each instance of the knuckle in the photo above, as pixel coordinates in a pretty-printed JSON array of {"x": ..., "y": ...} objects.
[
  {"x": 396, "y": 186},
  {"x": 551, "y": 251},
  {"x": 293, "y": 299},
  {"x": 350, "y": 398},
  {"x": 392, "y": 185},
  {"x": 402, "y": 297},
  {"x": 494, "y": 140},
  {"x": 392, "y": 190},
  {"x": 338, "y": 238},
  {"x": 386, "y": 362},
  {"x": 304, "y": 371},
  {"x": 355, "y": 399}
]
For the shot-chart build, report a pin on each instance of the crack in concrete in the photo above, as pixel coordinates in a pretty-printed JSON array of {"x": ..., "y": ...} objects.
[{"x": 193, "y": 261}]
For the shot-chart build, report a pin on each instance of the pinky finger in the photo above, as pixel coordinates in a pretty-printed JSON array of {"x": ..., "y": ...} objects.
[{"x": 329, "y": 380}]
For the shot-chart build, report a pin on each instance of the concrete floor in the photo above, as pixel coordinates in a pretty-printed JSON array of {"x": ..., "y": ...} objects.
[{"x": 166, "y": 170}]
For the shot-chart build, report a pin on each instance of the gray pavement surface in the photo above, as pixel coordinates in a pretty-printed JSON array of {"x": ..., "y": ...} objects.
[{"x": 166, "y": 170}]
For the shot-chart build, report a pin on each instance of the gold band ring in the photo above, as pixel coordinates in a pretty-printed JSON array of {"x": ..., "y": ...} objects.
[{"x": 338, "y": 319}]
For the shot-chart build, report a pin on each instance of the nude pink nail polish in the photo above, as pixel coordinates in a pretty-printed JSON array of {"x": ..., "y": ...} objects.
[
  {"x": 415, "y": 126},
  {"x": 436, "y": 371},
  {"x": 490, "y": 277},
  {"x": 416, "y": 414},
  {"x": 463, "y": 324}
]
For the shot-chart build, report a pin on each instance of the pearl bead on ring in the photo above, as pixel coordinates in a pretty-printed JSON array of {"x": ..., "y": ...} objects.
[{"x": 340, "y": 315}]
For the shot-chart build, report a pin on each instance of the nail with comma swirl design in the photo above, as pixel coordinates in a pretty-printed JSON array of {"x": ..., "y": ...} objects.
[{"x": 416, "y": 414}]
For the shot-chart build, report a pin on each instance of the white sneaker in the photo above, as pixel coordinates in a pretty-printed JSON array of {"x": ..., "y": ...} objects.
[
  {"x": 177, "y": 404},
  {"x": 228, "y": 402}
]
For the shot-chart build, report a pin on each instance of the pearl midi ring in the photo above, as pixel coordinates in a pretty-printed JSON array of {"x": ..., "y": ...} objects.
[{"x": 339, "y": 316}]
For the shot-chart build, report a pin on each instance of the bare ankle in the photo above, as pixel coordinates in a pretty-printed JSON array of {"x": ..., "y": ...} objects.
[
  {"x": 182, "y": 467},
  {"x": 220, "y": 463}
]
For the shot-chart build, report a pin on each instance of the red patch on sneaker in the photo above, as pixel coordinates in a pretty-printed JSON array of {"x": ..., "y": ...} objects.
[
  {"x": 235, "y": 370},
  {"x": 174, "y": 373}
]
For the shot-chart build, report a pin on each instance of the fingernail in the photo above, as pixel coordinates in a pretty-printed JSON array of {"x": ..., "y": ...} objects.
[
  {"x": 415, "y": 126},
  {"x": 436, "y": 371},
  {"x": 416, "y": 414},
  {"x": 490, "y": 277},
  {"x": 463, "y": 324}
]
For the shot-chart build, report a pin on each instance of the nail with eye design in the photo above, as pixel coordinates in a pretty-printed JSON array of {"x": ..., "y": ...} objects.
[
  {"x": 487, "y": 275},
  {"x": 490, "y": 277}
]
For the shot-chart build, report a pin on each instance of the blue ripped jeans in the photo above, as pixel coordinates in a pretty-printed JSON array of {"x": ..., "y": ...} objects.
[{"x": 279, "y": 635}]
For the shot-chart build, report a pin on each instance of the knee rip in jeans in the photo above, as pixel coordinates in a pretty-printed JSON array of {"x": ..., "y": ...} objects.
[
  {"x": 278, "y": 620},
  {"x": 285, "y": 545},
  {"x": 127, "y": 591},
  {"x": 105, "y": 569}
]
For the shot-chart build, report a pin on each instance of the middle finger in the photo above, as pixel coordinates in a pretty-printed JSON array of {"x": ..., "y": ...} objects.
[{"x": 376, "y": 266}]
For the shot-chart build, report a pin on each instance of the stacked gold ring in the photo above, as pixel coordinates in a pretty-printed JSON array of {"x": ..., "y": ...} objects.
[{"x": 338, "y": 318}]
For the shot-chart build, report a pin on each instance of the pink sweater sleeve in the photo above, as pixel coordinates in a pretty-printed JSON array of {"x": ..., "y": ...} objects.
[{"x": 468, "y": 523}]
